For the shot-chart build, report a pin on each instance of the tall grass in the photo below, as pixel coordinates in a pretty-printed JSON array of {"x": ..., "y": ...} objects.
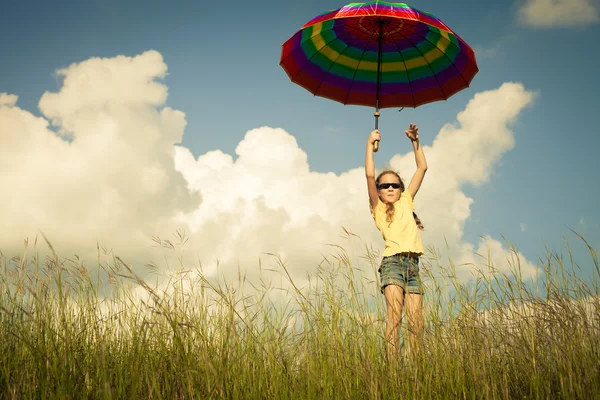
[{"x": 67, "y": 333}]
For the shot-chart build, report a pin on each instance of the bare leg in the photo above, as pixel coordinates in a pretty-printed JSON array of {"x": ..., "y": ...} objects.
[
  {"x": 414, "y": 312},
  {"x": 394, "y": 298}
]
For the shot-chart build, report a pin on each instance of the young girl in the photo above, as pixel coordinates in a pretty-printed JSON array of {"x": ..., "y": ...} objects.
[{"x": 392, "y": 209}]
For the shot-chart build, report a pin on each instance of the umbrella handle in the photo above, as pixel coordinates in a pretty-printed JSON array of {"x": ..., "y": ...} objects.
[{"x": 376, "y": 142}]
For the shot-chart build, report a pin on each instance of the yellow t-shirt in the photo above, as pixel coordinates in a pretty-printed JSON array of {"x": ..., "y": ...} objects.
[{"x": 402, "y": 235}]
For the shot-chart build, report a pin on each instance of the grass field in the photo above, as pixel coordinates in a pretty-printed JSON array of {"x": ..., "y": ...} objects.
[{"x": 68, "y": 332}]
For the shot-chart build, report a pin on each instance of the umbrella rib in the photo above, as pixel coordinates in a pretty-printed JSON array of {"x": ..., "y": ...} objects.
[
  {"x": 293, "y": 78},
  {"x": 429, "y": 65},
  {"x": 355, "y": 70},
  {"x": 451, "y": 63},
  {"x": 333, "y": 64},
  {"x": 412, "y": 94},
  {"x": 308, "y": 58}
]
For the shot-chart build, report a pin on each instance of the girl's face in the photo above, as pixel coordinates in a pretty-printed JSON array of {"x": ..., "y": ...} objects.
[{"x": 389, "y": 188}]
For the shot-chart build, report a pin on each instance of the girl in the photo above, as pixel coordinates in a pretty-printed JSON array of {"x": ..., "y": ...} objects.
[{"x": 392, "y": 209}]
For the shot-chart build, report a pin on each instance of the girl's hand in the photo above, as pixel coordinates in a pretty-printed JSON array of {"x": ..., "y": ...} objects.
[
  {"x": 412, "y": 132},
  {"x": 375, "y": 135}
]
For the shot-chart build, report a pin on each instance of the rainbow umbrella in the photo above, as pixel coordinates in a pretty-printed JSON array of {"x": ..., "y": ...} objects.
[{"x": 379, "y": 54}]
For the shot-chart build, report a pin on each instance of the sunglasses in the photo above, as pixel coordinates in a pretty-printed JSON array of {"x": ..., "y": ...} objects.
[{"x": 387, "y": 185}]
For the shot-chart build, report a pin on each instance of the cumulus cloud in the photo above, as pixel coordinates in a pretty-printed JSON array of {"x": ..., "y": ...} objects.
[
  {"x": 110, "y": 170},
  {"x": 268, "y": 200},
  {"x": 113, "y": 180},
  {"x": 8, "y": 100},
  {"x": 488, "y": 52},
  {"x": 558, "y": 13},
  {"x": 465, "y": 153}
]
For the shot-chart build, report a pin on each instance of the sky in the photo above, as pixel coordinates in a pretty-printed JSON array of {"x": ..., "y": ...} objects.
[{"x": 125, "y": 121}]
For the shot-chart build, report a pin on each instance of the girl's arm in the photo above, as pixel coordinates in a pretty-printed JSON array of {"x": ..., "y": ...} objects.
[
  {"x": 370, "y": 168},
  {"x": 415, "y": 183}
]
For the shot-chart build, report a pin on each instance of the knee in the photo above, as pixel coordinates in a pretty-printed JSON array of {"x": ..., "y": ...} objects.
[
  {"x": 394, "y": 316},
  {"x": 416, "y": 322}
]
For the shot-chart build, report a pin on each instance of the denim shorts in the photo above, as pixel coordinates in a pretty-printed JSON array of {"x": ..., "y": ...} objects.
[{"x": 401, "y": 270}]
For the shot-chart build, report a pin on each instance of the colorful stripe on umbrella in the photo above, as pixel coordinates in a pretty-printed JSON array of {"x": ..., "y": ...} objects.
[{"x": 335, "y": 55}]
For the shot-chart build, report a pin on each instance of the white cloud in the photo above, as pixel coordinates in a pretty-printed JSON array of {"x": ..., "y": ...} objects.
[
  {"x": 117, "y": 175},
  {"x": 581, "y": 222},
  {"x": 558, "y": 13},
  {"x": 8, "y": 100},
  {"x": 463, "y": 153},
  {"x": 114, "y": 180},
  {"x": 488, "y": 52},
  {"x": 269, "y": 201},
  {"x": 523, "y": 227}
]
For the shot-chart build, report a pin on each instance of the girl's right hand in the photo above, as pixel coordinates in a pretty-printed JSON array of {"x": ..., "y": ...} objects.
[{"x": 375, "y": 135}]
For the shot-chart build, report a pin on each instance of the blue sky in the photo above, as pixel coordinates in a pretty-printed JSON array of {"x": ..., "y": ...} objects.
[{"x": 223, "y": 73}]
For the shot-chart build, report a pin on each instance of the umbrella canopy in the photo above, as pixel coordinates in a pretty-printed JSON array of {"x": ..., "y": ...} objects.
[{"x": 379, "y": 54}]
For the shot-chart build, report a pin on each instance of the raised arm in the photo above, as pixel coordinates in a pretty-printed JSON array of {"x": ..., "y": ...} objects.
[
  {"x": 370, "y": 168},
  {"x": 415, "y": 183}
]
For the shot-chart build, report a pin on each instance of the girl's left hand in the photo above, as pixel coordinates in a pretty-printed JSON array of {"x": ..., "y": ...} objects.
[{"x": 412, "y": 132}]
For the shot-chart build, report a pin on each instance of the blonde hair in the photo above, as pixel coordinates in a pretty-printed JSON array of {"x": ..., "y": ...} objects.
[{"x": 389, "y": 212}]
